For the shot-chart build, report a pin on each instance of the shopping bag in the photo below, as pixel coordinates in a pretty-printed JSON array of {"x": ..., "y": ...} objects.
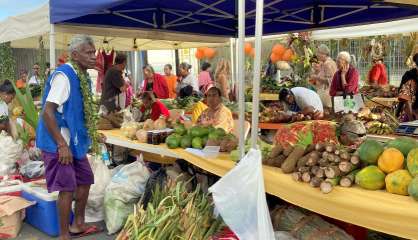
[
  {"x": 240, "y": 199},
  {"x": 348, "y": 103}
]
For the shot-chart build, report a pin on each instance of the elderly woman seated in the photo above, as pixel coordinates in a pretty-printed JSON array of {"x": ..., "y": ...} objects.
[
  {"x": 346, "y": 79},
  {"x": 216, "y": 115}
]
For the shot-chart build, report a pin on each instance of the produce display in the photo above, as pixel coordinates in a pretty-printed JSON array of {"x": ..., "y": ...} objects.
[
  {"x": 181, "y": 103},
  {"x": 378, "y": 120},
  {"x": 264, "y": 147},
  {"x": 198, "y": 137},
  {"x": 378, "y": 91},
  {"x": 173, "y": 213}
]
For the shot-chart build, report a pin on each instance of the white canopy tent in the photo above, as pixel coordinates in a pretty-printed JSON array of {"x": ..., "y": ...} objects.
[{"x": 23, "y": 31}]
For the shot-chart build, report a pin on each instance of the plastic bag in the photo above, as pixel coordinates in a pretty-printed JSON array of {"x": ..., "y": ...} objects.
[
  {"x": 10, "y": 153},
  {"x": 33, "y": 169},
  {"x": 240, "y": 198},
  {"x": 124, "y": 190},
  {"x": 95, "y": 202}
]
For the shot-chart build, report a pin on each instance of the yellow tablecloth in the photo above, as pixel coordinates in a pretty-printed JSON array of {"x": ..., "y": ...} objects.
[{"x": 378, "y": 210}]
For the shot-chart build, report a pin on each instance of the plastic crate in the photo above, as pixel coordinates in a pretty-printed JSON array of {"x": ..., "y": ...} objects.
[{"x": 44, "y": 214}]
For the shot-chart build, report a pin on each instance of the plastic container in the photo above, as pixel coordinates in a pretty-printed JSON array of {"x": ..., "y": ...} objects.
[
  {"x": 44, "y": 214},
  {"x": 211, "y": 151}
]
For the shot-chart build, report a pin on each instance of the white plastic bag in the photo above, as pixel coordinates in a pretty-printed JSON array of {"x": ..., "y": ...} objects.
[
  {"x": 95, "y": 202},
  {"x": 240, "y": 199},
  {"x": 123, "y": 192},
  {"x": 10, "y": 153},
  {"x": 33, "y": 169}
]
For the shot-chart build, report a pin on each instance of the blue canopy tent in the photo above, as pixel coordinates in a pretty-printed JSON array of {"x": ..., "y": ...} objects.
[{"x": 231, "y": 18}]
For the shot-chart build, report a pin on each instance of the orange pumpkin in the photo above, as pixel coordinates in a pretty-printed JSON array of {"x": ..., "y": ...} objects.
[
  {"x": 248, "y": 48},
  {"x": 279, "y": 50},
  {"x": 274, "y": 57},
  {"x": 287, "y": 55},
  {"x": 209, "y": 53}
]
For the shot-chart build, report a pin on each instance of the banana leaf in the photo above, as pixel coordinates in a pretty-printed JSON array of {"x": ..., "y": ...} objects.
[{"x": 26, "y": 101}]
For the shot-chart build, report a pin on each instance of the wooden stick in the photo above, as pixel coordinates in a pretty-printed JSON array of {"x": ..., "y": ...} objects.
[
  {"x": 314, "y": 169},
  {"x": 345, "y": 156},
  {"x": 320, "y": 173},
  {"x": 330, "y": 148},
  {"x": 304, "y": 169},
  {"x": 323, "y": 162},
  {"x": 320, "y": 147},
  {"x": 346, "y": 167},
  {"x": 355, "y": 159},
  {"x": 326, "y": 187},
  {"x": 312, "y": 161}
]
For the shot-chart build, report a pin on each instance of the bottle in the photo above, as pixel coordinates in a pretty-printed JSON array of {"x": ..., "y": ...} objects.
[{"x": 105, "y": 154}]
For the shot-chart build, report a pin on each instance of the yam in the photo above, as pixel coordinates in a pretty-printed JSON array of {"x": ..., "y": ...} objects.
[
  {"x": 323, "y": 162},
  {"x": 288, "y": 151},
  {"x": 312, "y": 161},
  {"x": 332, "y": 172},
  {"x": 314, "y": 169},
  {"x": 310, "y": 148},
  {"x": 325, "y": 155},
  {"x": 355, "y": 159},
  {"x": 320, "y": 147},
  {"x": 315, "y": 182},
  {"x": 304, "y": 169},
  {"x": 306, "y": 177},
  {"x": 348, "y": 180},
  {"x": 289, "y": 164},
  {"x": 320, "y": 173},
  {"x": 302, "y": 161},
  {"x": 326, "y": 187},
  {"x": 330, "y": 148},
  {"x": 345, "y": 156},
  {"x": 297, "y": 176},
  {"x": 346, "y": 167},
  {"x": 278, "y": 161},
  {"x": 276, "y": 151}
]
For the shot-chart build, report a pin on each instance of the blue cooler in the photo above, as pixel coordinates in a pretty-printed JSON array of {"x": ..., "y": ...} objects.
[{"x": 44, "y": 214}]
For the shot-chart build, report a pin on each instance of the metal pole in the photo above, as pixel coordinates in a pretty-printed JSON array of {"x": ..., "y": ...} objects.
[
  {"x": 241, "y": 75},
  {"x": 136, "y": 77},
  {"x": 52, "y": 46},
  {"x": 257, "y": 70},
  {"x": 233, "y": 68}
]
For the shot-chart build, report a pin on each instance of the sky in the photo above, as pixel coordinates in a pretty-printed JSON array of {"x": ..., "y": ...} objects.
[{"x": 13, "y": 7}]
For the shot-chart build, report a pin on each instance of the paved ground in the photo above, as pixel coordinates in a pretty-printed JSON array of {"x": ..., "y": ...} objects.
[{"x": 30, "y": 233}]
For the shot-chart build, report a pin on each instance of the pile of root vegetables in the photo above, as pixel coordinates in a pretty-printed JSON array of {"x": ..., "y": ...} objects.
[{"x": 323, "y": 166}]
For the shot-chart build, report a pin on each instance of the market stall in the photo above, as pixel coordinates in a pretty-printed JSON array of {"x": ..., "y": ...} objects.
[{"x": 381, "y": 211}]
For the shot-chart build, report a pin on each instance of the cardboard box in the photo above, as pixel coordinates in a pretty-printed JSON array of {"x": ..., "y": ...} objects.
[{"x": 12, "y": 213}]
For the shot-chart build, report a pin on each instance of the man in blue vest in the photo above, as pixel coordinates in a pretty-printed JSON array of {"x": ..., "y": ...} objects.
[{"x": 64, "y": 140}]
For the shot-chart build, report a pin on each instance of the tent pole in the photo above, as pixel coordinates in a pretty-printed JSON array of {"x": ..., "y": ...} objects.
[
  {"x": 233, "y": 68},
  {"x": 52, "y": 60},
  {"x": 257, "y": 70},
  {"x": 241, "y": 75}
]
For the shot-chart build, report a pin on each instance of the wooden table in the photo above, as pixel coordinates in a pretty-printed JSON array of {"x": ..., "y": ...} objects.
[{"x": 377, "y": 210}]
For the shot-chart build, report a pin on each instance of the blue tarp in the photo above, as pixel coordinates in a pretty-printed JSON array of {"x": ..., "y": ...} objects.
[{"x": 219, "y": 17}]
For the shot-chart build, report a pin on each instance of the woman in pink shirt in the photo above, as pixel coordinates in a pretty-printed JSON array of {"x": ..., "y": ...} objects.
[{"x": 204, "y": 78}]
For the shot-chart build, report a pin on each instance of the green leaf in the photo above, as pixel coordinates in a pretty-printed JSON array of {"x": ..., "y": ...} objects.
[
  {"x": 26, "y": 101},
  {"x": 305, "y": 139}
]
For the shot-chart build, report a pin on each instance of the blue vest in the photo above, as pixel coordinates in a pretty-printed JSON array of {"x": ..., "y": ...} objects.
[{"x": 71, "y": 118}]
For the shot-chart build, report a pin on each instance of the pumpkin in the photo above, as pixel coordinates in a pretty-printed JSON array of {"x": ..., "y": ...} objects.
[
  {"x": 398, "y": 181},
  {"x": 141, "y": 136},
  {"x": 390, "y": 160},
  {"x": 412, "y": 162}
]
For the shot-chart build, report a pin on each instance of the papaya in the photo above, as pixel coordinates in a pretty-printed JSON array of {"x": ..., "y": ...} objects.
[
  {"x": 403, "y": 144},
  {"x": 412, "y": 162},
  {"x": 371, "y": 178},
  {"x": 398, "y": 181},
  {"x": 413, "y": 188},
  {"x": 390, "y": 160},
  {"x": 370, "y": 151}
]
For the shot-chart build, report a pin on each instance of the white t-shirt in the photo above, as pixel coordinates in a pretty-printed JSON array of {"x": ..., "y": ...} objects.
[
  {"x": 305, "y": 97},
  {"x": 33, "y": 80},
  {"x": 59, "y": 94}
]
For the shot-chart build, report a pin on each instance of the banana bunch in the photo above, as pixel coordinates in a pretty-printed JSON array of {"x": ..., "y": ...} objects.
[{"x": 378, "y": 128}]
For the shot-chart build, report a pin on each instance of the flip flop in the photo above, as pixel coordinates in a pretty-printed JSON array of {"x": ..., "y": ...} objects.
[{"x": 91, "y": 230}]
